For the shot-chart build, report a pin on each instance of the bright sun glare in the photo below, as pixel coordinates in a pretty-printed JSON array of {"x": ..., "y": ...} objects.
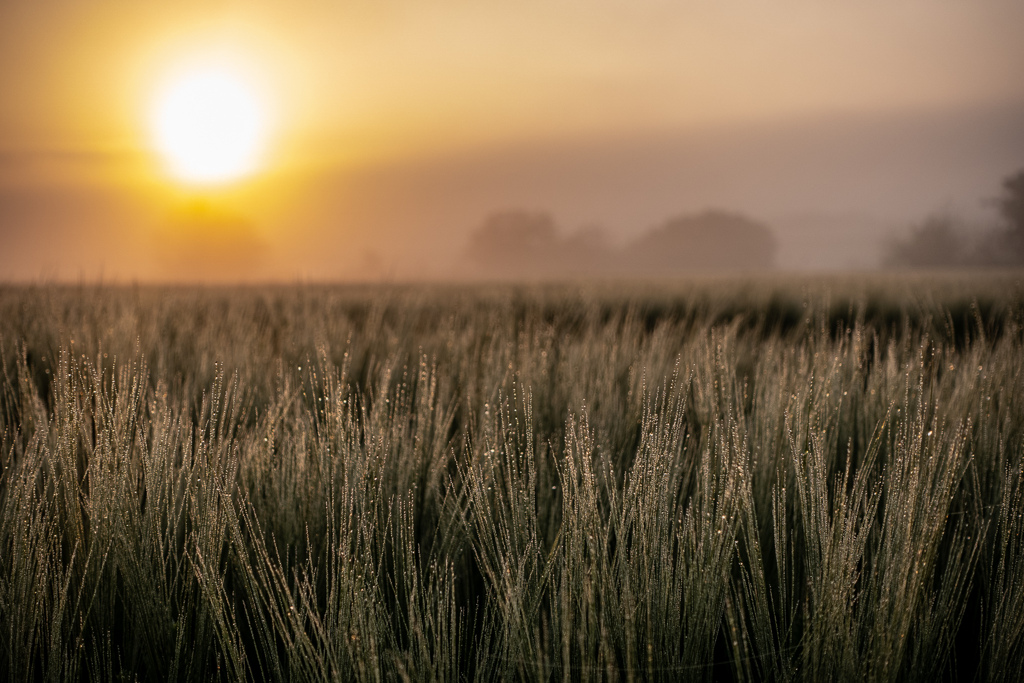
[{"x": 209, "y": 125}]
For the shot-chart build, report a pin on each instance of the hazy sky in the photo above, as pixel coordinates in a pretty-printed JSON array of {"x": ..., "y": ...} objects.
[{"x": 394, "y": 128}]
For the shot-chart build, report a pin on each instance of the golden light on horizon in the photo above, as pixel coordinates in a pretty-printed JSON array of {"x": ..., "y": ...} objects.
[{"x": 210, "y": 125}]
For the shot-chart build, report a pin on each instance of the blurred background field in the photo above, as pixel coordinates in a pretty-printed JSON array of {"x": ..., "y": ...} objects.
[{"x": 771, "y": 478}]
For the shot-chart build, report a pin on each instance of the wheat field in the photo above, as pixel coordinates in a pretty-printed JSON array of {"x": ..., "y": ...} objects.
[{"x": 777, "y": 479}]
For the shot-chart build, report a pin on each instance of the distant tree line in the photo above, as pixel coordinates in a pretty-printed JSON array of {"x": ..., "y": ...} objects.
[
  {"x": 939, "y": 240},
  {"x": 529, "y": 244}
]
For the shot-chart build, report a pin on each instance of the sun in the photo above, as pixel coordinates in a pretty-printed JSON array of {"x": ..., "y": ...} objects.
[{"x": 209, "y": 125}]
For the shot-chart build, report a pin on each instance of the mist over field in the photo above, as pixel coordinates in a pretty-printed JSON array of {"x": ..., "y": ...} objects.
[
  {"x": 392, "y": 133},
  {"x": 834, "y": 194}
]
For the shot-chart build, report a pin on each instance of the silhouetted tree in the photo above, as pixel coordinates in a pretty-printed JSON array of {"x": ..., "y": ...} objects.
[
  {"x": 1011, "y": 204},
  {"x": 934, "y": 243},
  {"x": 713, "y": 240},
  {"x": 1011, "y": 207},
  {"x": 515, "y": 243},
  {"x": 522, "y": 243}
]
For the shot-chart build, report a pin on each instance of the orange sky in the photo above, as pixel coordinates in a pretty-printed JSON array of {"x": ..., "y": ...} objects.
[{"x": 398, "y": 126}]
